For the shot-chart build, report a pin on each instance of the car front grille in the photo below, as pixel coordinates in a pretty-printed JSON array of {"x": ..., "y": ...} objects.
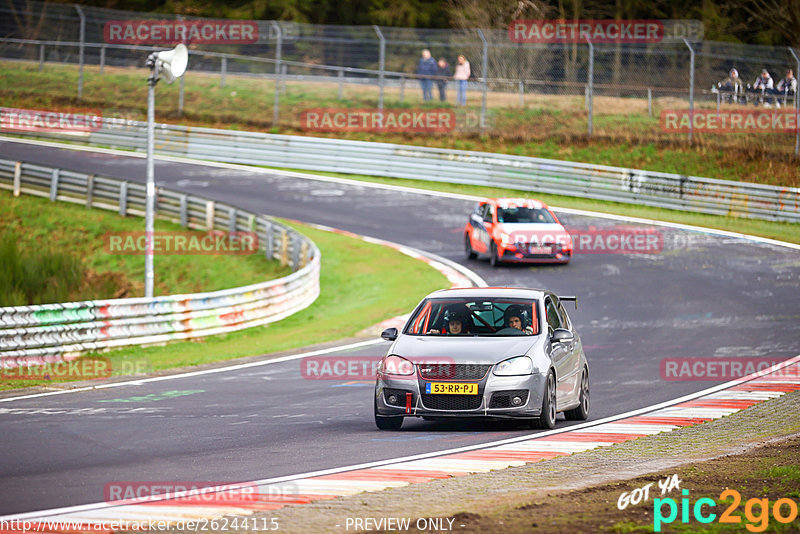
[
  {"x": 451, "y": 402},
  {"x": 502, "y": 399},
  {"x": 452, "y": 371}
]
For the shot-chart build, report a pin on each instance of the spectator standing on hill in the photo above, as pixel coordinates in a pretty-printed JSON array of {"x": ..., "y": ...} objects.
[
  {"x": 461, "y": 76},
  {"x": 425, "y": 69},
  {"x": 443, "y": 71}
]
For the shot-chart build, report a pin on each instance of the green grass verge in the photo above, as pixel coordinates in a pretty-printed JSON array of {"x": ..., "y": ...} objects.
[
  {"x": 40, "y": 225},
  {"x": 549, "y": 126},
  {"x": 782, "y": 231},
  {"x": 361, "y": 285}
]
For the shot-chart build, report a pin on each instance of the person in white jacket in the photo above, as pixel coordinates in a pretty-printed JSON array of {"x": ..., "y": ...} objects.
[
  {"x": 764, "y": 85},
  {"x": 461, "y": 76}
]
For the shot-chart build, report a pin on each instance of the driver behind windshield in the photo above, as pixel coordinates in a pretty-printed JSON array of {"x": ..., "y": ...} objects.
[
  {"x": 515, "y": 317},
  {"x": 456, "y": 322}
]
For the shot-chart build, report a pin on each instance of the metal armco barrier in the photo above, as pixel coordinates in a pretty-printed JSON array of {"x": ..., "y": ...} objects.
[
  {"x": 665, "y": 190},
  {"x": 55, "y": 332}
]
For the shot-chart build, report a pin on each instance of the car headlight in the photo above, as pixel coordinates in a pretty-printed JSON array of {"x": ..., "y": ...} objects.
[
  {"x": 521, "y": 365},
  {"x": 395, "y": 365},
  {"x": 505, "y": 238}
]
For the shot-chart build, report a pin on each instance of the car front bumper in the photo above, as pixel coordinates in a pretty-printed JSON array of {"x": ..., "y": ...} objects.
[
  {"x": 494, "y": 399},
  {"x": 516, "y": 256}
]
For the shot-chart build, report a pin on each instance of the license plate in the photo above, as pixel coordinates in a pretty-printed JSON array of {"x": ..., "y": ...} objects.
[
  {"x": 540, "y": 250},
  {"x": 450, "y": 388}
]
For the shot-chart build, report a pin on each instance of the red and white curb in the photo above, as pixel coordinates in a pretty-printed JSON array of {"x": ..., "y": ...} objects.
[{"x": 710, "y": 404}]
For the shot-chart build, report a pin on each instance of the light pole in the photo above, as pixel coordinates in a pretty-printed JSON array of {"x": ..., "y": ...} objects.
[{"x": 166, "y": 66}]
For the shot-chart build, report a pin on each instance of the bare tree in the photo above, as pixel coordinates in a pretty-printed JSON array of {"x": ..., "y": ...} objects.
[
  {"x": 28, "y": 22},
  {"x": 780, "y": 16},
  {"x": 506, "y": 59}
]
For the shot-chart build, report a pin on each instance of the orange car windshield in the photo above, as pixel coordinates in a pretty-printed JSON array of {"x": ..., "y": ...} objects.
[{"x": 524, "y": 215}]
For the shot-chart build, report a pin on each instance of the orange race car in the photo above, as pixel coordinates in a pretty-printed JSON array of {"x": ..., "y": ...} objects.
[{"x": 516, "y": 230}]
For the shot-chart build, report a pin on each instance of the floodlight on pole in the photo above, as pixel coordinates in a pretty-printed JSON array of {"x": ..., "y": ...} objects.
[{"x": 168, "y": 65}]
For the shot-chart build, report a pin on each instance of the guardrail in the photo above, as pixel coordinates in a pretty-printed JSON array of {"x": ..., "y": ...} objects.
[
  {"x": 54, "y": 332},
  {"x": 618, "y": 184}
]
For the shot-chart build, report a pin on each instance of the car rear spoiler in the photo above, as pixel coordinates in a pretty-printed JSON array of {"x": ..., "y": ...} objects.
[{"x": 573, "y": 299}]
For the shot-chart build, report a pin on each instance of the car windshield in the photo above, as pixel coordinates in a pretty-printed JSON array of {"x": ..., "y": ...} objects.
[
  {"x": 524, "y": 215},
  {"x": 489, "y": 316}
]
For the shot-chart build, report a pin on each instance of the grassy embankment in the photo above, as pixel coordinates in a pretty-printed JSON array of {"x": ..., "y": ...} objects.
[
  {"x": 361, "y": 284},
  {"x": 549, "y": 126}
]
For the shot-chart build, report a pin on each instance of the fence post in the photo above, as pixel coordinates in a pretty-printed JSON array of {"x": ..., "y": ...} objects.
[
  {"x": 402, "y": 87},
  {"x": 295, "y": 264},
  {"x": 80, "y": 54},
  {"x": 284, "y": 247},
  {"x": 284, "y": 70},
  {"x": 181, "y": 87},
  {"x": 54, "y": 184},
  {"x": 590, "y": 87},
  {"x": 269, "y": 246},
  {"x": 340, "y": 75},
  {"x": 278, "y": 46},
  {"x": 691, "y": 88},
  {"x": 521, "y": 94},
  {"x": 89, "y": 190},
  {"x": 102, "y": 59},
  {"x": 649, "y": 101},
  {"x": 17, "y": 178},
  {"x": 41, "y": 57},
  {"x": 210, "y": 215},
  {"x": 381, "y": 65},
  {"x": 231, "y": 220},
  {"x": 222, "y": 69},
  {"x": 180, "y": 95},
  {"x": 796, "y": 108},
  {"x": 123, "y": 198},
  {"x": 485, "y": 76},
  {"x": 184, "y": 210}
]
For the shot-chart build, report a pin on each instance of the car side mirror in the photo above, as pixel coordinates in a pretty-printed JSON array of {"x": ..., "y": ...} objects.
[
  {"x": 390, "y": 334},
  {"x": 562, "y": 335}
]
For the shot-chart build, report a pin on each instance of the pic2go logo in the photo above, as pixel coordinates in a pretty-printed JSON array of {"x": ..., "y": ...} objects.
[{"x": 783, "y": 510}]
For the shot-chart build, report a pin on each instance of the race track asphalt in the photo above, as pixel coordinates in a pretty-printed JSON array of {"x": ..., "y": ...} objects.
[{"x": 701, "y": 296}]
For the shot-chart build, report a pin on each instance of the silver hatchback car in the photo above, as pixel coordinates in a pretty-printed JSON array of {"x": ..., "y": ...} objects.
[{"x": 484, "y": 352}]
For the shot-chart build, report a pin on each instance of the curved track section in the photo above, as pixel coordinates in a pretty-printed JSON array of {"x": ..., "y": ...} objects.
[{"x": 702, "y": 296}]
